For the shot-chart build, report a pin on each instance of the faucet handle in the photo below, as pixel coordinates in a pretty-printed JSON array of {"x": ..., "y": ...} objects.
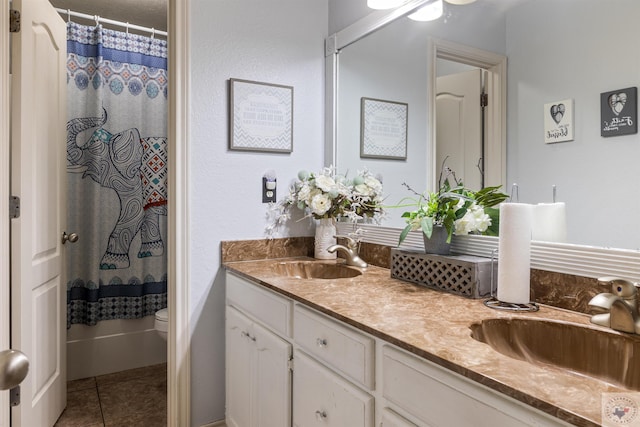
[
  {"x": 351, "y": 243},
  {"x": 620, "y": 287}
]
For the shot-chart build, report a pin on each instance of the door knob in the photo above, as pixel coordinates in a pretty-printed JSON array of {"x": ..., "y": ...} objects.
[
  {"x": 73, "y": 237},
  {"x": 14, "y": 367}
]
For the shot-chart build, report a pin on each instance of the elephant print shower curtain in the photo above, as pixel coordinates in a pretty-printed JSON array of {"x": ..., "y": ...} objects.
[{"x": 117, "y": 174}]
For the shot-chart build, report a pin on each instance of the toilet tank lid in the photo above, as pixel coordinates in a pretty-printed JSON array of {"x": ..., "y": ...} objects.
[{"x": 162, "y": 315}]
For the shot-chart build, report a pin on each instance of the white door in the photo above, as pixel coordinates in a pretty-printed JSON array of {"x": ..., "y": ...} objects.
[
  {"x": 459, "y": 126},
  {"x": 38, "y": 173}
]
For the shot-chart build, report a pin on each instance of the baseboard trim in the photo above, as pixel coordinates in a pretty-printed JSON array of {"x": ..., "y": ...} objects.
[{"x": 216, "y": 424}]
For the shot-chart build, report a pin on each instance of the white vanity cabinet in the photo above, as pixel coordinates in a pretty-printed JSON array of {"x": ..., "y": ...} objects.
[{"x": 289, "y": 365}]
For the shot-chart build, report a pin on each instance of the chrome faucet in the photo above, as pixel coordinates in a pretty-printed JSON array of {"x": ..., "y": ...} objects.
[
  {"x": 350, "y": 252},
  {"x": 621, "y": 304}
]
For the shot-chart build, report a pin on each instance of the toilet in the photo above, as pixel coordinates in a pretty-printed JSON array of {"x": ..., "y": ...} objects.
[{"x": 162, "y": 323}]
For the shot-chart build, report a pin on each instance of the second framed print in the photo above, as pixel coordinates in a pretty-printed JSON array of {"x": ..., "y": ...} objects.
[{"x": 383, "y": 132}]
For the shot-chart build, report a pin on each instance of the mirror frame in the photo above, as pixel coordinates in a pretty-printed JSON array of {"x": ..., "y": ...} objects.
[{"x": 580, "y": 260}]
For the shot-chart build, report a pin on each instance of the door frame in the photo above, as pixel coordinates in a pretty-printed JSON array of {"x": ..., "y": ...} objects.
[
  {"x": 179, "y": 336},
  {"x": 496, "y": 113},
  {"x": 5, "y": 161}
]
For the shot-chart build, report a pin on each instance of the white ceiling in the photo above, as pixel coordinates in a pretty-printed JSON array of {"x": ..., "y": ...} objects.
[{"x": 147, "y": 13}]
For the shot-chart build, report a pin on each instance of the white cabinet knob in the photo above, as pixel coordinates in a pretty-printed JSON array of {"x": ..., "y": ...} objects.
[{"x": 321, "y": 342}]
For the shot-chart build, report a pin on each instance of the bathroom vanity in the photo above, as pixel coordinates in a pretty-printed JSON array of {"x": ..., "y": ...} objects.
[{"x": 374, "y": 351}]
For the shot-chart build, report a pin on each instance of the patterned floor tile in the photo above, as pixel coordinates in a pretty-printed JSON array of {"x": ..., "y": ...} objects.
[
  {"x": 116, "y": 377},
  {"x": 83, "y": 410},
  {"x": 144, "y": 397}
]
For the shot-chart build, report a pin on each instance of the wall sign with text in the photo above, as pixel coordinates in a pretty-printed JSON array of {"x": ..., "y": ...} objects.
[
  {"x": 383, "y": 132},
  {"x": 619, "y": 112},
  {"x": 260, "y": 116},
  {"x": 558, "y": 121}
]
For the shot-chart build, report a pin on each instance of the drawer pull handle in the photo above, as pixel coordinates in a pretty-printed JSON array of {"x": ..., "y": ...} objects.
[
  {"x": 321, "y": 415},
  {"x": 321, "y": 342}
]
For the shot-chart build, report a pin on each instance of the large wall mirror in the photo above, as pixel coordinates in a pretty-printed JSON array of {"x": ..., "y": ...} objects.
[{"x": 556, "y": 51}]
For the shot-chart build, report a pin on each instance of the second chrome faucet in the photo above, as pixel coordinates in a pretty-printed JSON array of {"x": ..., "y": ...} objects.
[{"x": 621, "y": 304}]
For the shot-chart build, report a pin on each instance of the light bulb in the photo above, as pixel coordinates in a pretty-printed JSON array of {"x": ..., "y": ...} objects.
[
  {"x": 384, "y": 4},
  {"x": 429, "y": 12}
]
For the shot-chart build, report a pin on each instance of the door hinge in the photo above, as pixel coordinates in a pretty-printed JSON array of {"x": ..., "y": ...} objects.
[
  {"x": 14, "y": 21},
  {"x": 14, "y": 396},
  {"x": 14, "y": 207},
  {"x": 290, "y": 363},
  {"x": 484, "y": 100}
]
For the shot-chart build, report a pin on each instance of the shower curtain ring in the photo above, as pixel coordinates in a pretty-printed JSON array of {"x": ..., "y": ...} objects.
[
  {"x": 153, "y": 33},
  {"x": 97, "y": 18},
  {"x": 68, "y": 15},
  {"x": 127, "y": 27}
]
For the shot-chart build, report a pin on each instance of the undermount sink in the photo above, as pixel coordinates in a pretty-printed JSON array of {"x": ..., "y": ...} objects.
[
  {"x": 315, "y": 270},
  {"x": 610, "y": 357}
]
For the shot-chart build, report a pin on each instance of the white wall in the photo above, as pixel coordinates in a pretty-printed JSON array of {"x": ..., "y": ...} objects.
[
  {"x": 276, "y": 41},
  {"x": 575, "y": 49}
]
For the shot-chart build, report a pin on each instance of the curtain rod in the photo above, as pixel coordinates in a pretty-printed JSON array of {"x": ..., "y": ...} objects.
[{"x": 99, "y": 19}]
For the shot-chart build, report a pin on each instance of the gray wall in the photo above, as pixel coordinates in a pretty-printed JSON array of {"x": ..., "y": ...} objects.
[
  {"x": 584, "y": 47},
  {"x": 276, "y": 41}
]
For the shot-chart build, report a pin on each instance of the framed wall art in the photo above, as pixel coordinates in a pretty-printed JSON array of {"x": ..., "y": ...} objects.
[
  {"x": 260, "y": 116},
  {"x": 558, "y": 121},
  {"x": 383, "y": 132},
  {"x": 619, "y": 112}
]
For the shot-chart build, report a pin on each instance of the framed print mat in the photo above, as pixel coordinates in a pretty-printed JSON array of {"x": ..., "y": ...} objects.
[
  {"x": 383, "y": 132},
  {"x": 260, "y": 116}
]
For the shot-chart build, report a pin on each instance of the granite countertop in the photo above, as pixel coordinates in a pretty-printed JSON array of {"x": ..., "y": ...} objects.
[{"x": 435, "y": 325}]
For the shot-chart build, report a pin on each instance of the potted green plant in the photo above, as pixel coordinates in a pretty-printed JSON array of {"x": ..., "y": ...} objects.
[{"x": 452, "y": 209}]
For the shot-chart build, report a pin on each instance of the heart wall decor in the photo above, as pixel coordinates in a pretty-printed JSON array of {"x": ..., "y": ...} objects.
[
  {"x": 619, "y": 112},
  {"x": 558, "y": 121}
]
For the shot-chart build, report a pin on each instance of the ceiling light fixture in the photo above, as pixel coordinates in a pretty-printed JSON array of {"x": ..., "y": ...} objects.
[
  {"x": 429, "y": 12},
  {"x": 384, "y": 4},
  {"x": 459, "y": 2}
]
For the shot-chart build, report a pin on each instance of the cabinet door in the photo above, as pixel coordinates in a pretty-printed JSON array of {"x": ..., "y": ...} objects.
[
  {"x": 238, "y": 372},
  {"x": 273, "y": 379},
  {"x": 323, "y": 398},
  {"x": 258, "y": 378}
]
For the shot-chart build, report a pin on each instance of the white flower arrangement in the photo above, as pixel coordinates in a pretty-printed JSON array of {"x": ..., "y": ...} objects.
[{"x": 329, "y": 195}]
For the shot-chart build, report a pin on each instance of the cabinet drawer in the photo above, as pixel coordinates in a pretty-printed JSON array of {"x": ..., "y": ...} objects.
[
  {"x": 391, "y": 419},
  {"x": 322, "y": 397},
  {"x": 441, "y": 398},
  {"x": 269, "y": 308},
  {"x": 341, "y": 347}
]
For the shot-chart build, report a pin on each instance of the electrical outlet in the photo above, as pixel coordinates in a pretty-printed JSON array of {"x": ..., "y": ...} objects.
[{"x": 268, "y": 191}]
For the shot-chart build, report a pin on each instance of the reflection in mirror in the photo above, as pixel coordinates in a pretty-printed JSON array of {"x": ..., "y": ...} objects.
[
  {"x": 574, "y": 49},
  {"x": 393, "y": 64}
]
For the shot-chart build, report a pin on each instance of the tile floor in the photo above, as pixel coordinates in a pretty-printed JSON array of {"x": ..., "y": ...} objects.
[{"x": 133, "y": 398}]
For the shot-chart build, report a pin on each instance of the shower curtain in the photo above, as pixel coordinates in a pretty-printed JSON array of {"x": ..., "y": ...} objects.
[{"x": 117, "y": 174}]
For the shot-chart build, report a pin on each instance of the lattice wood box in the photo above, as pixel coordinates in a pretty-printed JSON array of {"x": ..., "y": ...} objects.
[{"x": 465, "y": 275}]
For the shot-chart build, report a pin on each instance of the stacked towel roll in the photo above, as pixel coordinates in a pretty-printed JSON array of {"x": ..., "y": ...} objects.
[
  {"x": 514, "y": 253},
  {"x": 550, "y": 222}
]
